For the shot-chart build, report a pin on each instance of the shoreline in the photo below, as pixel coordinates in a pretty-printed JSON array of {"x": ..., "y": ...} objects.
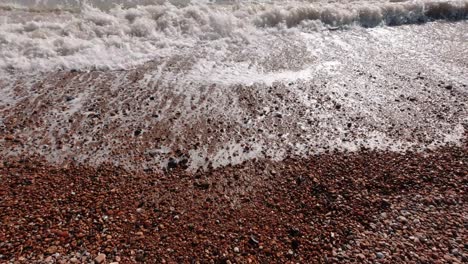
[{"x": 337, "y": 207}]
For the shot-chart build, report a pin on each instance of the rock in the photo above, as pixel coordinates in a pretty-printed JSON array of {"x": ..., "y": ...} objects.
[
  {"x": 299, "y": 180},
  {"x": 236, "y": 249},
  {"x": 74, "y": 260},
  {"x": 140, "y": 257},
  {"x": 202, "y": 185},
  {"x": 137, "y": 132},
  {"x": 295, "y": 244},
  {"x": 172, "y": 163},
  {"x": 51, "y": 250},
  {"x": 100, "y": 258},
  {"x": 361, "y": 256},
  {"x": 455, "y": 252},
  {"x": 253, "y": 240},
  {"x": 402, "y": 219},
  {"x": 380, "y": 255},
  {"x": 449, "y": 87},
  {"x": 294, "y": 232}
]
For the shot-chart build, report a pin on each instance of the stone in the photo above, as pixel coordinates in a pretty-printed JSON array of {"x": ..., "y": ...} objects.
[
  {"x": 236, "y": 249},
  {"x": 100, "y": 258},
  {"x": 51, "y": 249},
  {"x": 137, "y": 132},
  {"x": 402, "y": 219},
  {"x": 294, "y": 232},
  {"x": 172, "y": 163},
  {"x": 253, "y": 240},
  {"x": 380, "y": 255}
]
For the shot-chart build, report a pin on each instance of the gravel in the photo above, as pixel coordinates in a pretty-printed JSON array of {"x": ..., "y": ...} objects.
[{"x": 368, "y": 206}]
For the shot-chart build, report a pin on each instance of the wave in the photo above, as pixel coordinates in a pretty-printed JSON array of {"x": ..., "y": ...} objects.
[
  {"x": 271, "y": 14},
  {"x": 121, "y": 37},
  {"x": 76, "y": 5},
  {"x": 391, "y": 14}
]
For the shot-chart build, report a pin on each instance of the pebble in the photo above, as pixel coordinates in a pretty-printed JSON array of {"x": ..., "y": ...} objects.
[
  {"x": 253, "y": 240},
  {"x": 380, "y": 255},
  {"x": 172, "y": 163},
  {"x": 100, "y": 258},
  {"x": 51, "y": 249},
  {"x": 402, "y": 219},
  {"x": 236, "y": 249}
]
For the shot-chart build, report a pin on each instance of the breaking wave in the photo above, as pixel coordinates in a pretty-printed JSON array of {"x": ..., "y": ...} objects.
[
  {"x": 42, "y": 35},
  {"x": 391, "y": 14}
]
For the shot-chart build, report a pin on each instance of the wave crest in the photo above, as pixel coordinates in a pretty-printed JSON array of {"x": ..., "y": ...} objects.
[{"x": 391, "y": 14}]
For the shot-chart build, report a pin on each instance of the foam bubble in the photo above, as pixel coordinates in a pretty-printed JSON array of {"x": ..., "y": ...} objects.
[{"x": 102, "y": 35}]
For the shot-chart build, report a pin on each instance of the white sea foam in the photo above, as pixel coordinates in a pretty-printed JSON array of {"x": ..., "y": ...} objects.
[{"x": 45, "y": 35}]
